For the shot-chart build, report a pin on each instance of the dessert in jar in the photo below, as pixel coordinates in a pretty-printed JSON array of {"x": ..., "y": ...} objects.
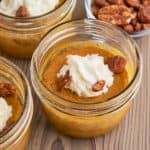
[
  {"x": 86, "y": 76},
  {"x": 16, "y": 107},
  {"x": 24, "y": 22}
]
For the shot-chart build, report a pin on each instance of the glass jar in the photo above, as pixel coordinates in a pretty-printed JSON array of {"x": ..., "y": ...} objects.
[
  {"x": 17, "y": 136},
  {"x": 81, "y": 119},
  {"x": 20, "y": 36}
]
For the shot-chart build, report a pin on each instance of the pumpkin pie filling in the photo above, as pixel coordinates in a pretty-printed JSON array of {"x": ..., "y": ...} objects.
[
  {"x": 10, "y": 105},
  {"x": 11, "y": 111},
  {"x": 59, "y": 80},
  {"x": 16, "y": 107},
  {"x": 52, "y": 75}
]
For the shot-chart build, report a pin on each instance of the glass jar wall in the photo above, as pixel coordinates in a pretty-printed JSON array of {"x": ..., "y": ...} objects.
[
  {"x": 80, "y": 119},
  {"x": 16, "y": 137}
]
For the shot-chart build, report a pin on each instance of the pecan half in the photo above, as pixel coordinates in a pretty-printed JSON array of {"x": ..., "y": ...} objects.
[
  {"x": 116, "y": 14},
  {"x": 146, "y": 2},
  {"x": 144, "y": 14},
  {"x": 98, "y": 86},
  {"x": 64, "y": 80},
  {"x": 134, "y": 21},
  {"x": 138, "y": 26},
  {"x": 7, "y": 90},
  {"x": 116, "y": 2},
  {"x": 101, "y": 3},
  {"x": 117, "y": 64},
  {"x": 94, "y": 9},
  {"x": 145, "y": 26},
  {"x": 128, "y": 28},
  {"x": 133, "y": 3},
  {"x": 22, "y": 12}
]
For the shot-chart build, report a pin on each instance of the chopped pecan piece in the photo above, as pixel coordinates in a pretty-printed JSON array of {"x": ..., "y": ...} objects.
[
  {"x": 7, "y": 90},
  {"x": 101, "y": 3},
  {"x": 117, "y": 64},
  {"x": 129, "y": 28},
  {"x": 146, "y": 2},
  {"x": 133, "y": 3},
  {"x": 134, "y": 21},
  {"x": 144, "y": 14},
  {"x": 22, "y": 12},
  {"x": 94, "y": 9},
  {"x": 98, "y": 86},
  {"x": 138, "y": 26},
  {"x": 116, "y": 2},
  {"x": 64, "y": 80},
  {"x": 116, "y": 14},
  {"x": 145, "y": 26}
]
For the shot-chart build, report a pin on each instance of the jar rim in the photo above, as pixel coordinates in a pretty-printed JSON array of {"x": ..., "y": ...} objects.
[
  {"x": 27, "y": 109},
  {"x": 33, "y": 17},
  {"x": 33, "y": 68}
]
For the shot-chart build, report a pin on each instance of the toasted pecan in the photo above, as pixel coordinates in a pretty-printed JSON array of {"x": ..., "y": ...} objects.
[
  {"x": 129, "y": 28},
  {"x": 145, "y": 26},
  {"x": 22, "y": 12},
  {"x": 117, "y": 64},
  {"x": 116, "y": 14},
  {"x": 64, "y": 80},
  {"x": 146, "y": 2},
  {"x": 101, "y": 3},
  {"x": 144, "y": 14},
  {"x": 7, "y": 89},
  {"x": 118, "y": 2},
  {"x": 98, "y": 86},
  {"x": 134, "y": 3},
  {"x": 94, "y": 9}
]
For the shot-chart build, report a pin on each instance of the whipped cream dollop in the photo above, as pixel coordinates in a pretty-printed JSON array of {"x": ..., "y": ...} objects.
[
  {"x": 5, "y": 113},
  {"x": 35, "y": 7},
  {"x": 84, "y": 72}
]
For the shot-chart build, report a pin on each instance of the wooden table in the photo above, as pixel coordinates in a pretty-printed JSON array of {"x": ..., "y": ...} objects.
[{"x": 132, "y": 134}]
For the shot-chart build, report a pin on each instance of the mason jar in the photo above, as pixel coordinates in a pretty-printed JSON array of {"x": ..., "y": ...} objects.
[
  {"x": 16, "y": 137},
  {"x": 20, "y": 36},
  {"x": 85, "y": 119}
]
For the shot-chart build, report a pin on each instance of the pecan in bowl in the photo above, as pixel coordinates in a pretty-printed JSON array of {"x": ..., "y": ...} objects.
[
  {"x": 116, "y": 14},
  {"x": 131, "y": 15}
]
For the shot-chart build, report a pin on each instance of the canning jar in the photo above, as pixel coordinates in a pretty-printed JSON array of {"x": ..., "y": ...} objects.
[
  {"x": 16, "y": 137},
  {"x": 20, "y": 36},
  {"x": 81, "y": 119}
]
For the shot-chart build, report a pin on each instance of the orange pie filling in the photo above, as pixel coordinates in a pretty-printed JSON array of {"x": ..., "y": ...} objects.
[
  {"x": 11, "y": 107},
  {"x": 10, "y": 112},
  {"x": 86, "y": 74}
]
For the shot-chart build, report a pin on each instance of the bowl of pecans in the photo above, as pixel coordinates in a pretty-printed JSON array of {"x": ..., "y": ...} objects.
[{"x": 131, "y": 15}]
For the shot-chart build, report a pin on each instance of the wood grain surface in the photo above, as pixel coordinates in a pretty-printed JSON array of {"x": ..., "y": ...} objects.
[{"x": 132, "y": 134}]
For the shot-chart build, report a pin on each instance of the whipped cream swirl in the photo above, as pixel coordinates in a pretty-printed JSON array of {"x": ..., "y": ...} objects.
[
  {"x": 5, "y": 113},
  {"x": 85, "y": 71},
  {"x": 35, "y": 7}
]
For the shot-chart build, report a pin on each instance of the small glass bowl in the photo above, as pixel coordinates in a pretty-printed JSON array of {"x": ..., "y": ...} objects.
[
  {"x": 81, "y": 119},
  {"x": 16, "y": 137},
  {"x": 89, "y": 14}
]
